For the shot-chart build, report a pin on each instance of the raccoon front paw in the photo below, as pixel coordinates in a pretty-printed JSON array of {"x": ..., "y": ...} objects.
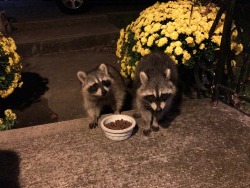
[
  {"x": 93, "y": 125},
  {"x": 136, "y": 115},
  {"x": 155, "y": 128},
  {"x": 146, "y": 132}
]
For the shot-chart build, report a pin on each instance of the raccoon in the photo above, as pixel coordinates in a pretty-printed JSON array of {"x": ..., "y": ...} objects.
[
  {"x": 101, "y": 86},
  {"x": 155, "y": 88}
]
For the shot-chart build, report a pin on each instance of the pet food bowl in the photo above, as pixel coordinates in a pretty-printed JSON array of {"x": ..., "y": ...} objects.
[{"x": 121, "y": 133}]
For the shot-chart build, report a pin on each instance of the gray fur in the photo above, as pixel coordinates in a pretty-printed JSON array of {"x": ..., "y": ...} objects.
[
  {"x": 93, "y": 102},
  {"x": 156, "y": 77}
]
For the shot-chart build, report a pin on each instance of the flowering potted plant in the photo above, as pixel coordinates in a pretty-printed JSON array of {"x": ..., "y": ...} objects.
[
  {"x": 178, "y": 28},
  {"x": 8, "y": 121},
  {"x": 10, "y": 76}
]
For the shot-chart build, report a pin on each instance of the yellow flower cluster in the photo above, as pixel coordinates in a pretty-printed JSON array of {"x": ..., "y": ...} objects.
[
  {"x": 8, "y": 121},
  {"x": 10, "y": 67},
  {"x": 173, "y": 28},
  {"x": 9, "y": 114}
]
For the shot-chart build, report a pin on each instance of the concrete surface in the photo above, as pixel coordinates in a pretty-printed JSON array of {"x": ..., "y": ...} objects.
[{"x": 203, "y": 147}]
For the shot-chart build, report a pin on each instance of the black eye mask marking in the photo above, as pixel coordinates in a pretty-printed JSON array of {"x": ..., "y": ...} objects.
[
  {"x": 149, "y": 98},
  {"x": 164, "y": 97},
  {"x": 152, "y": 98},
  {"x": 93, "y": 88},
  {"x": 106, "y": 83}
]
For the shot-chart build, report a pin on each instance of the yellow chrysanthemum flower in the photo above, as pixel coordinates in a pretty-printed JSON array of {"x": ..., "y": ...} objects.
[
  {"x": 132, "y": 75},
  {"x": 123, "y": 66},
  {"x": 150, "y": 41},
  {"x": 174, "y": 35},
  {"x": 202, "y": 46},
  {"x": 178, "y": 50},
  {"x": 143, "y": 40},
  {"x": 186, "y": 55},
  {"x": 169, "y": 50},
  {"x": 156, "y": 27},
  {"x": 162, "y": 41},
  {"x": 189, "y": 40}
]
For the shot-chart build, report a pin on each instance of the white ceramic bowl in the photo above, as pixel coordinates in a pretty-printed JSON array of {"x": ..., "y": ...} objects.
[{"x": 117, "y": 134}]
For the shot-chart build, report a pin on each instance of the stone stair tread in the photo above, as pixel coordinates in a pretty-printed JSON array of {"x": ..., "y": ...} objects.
[
  {"x": 61, "y": 21},
  {"x": 72, "y": 31},
  {"x": 64, "y": 35}
]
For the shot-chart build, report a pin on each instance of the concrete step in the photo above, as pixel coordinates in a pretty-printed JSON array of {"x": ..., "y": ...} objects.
[
  {"x": 60, "y": 22},
  {"x": 202, "y": 147},
  {"x": 62, "y": 35}
]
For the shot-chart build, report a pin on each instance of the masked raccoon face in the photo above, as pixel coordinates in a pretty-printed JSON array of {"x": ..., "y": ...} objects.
[
  {"x": 155, "y": 93},
  {"x": 96, "y": 83},
  {"x": 99, "y": 88},
  {"x": 156, "y": 102}
]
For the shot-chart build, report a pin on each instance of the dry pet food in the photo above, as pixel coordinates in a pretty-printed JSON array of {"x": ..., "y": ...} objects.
[{"x": 118, "y": 124}]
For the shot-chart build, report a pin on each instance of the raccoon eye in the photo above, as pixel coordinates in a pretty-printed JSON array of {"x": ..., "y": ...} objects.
[
  {"x": 93, "y": 88},
  {"x": 149, "y": 98},
  {"x": 106, "y": 83}
]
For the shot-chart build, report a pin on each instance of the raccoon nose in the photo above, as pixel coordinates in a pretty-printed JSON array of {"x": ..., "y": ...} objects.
[
  {"x": 158, "y": 108},
  {"x": 104, "y": 92}
]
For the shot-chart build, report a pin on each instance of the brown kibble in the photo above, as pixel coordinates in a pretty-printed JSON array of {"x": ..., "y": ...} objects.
[{"x": 118, "y": 124}]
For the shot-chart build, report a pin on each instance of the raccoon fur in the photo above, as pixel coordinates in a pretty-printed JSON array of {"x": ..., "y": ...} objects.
[
  {"x": 156, "y": 87},
  {"x": 100, "y": 87}
]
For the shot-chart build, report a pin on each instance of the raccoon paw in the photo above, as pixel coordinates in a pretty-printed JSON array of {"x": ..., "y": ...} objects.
[
  {"x": 146, "y": 132},
  {"x": 93, "y": 125},
  {"x": 155, "y": 128},
  {"x": 136, "y": 115}
]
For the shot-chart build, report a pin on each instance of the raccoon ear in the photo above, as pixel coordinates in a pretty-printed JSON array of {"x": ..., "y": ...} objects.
[
  {"x": 168, "y": 73},
  {"x": 103, "y": 68},
  {"x": 81, "y": 76},
  {"x": 143, "y": 77}
]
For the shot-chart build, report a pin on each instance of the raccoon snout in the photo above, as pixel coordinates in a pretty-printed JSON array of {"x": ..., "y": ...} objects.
[
  {"x": 157, "y": 106},
  {"x": 158, "y": 109},
  {"x": 104, "y": 92}
]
